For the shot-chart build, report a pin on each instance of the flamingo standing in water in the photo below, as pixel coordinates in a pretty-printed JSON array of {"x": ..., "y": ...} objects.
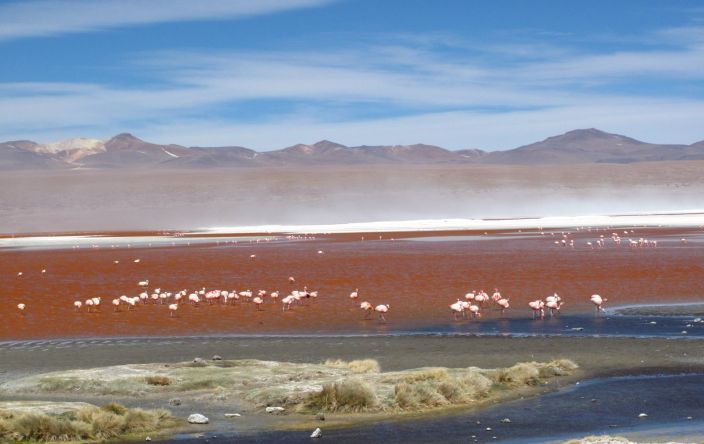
[
  {"x": 287, "y": 302},
  {"x": 172, "y": 310},
  {"x": 554, "y": 306},
  {"x": 355, "y": 294},
  {"x": 481, "y": 298},
  {"x": 503, "y": 303},
  {"x": 78, "y": 305},
  {"x": 537, "y": 307},
  {"x": 382, "y": 310},
  {"x": 598, "y": 301},
  {"x": 368, "y": 308},
  {"x": 116, "y": 304},
  {"x": 457, "y": 308},
  {"x": 21, "y": 307},
  {"x": 470, "y": 296},
  {"x": 474, "y": 309},
  {"x": 258, "y": 301}
]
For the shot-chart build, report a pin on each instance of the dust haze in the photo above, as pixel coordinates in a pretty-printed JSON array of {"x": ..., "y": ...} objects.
[{"x": 66, "y": 201}]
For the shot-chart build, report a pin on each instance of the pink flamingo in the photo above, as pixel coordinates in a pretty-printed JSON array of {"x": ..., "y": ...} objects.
[
  {"x": 172, "y": 309},
  {"x": 554, "y": 306},
  {"x": 457, "y": 309},
  {"x": 291, "y": 280},
  {"x": 116, "y": 304},
  {"x": 368, "y": 308},
  {"x": 287, "y": 302},
  {"x": 474, "y": 309},
  {"x": 470, "y": 296},
  {"x": 382, "y": 310},
  {"x": 598, "y": 301},
  {"x": 258, "y": 302},
  {"x": 21, "y": 307},
  {"x": 537, "y": 307},
  {"x": 503, "y": 303},
  {"x": 355, "y": 294},
  {"x": 78, "y": 305}
]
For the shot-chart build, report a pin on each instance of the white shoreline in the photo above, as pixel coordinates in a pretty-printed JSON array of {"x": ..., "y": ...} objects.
[
  {"x": 690, "y": 218},
  {"x": 680, "y": 219}
]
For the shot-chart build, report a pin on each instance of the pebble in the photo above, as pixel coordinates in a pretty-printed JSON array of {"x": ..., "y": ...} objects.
[
  {"x": 217, "y": 358},
  {"x": 232, "y": 415},
  {"x": 197, "y": 418},
  {"x": 175, "y": 401},
  {"x": 274, "y": 410},
  {"x": 643, "y": 415},
  {"x": 506, "y": 420},
  {"x": 148, "y": 438},
  {"x": 199, "y": 360},
  {"x": 317, "y": 433}
]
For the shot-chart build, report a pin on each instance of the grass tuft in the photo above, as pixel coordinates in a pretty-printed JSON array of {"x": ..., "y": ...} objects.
[
  {"x": 357, "y": 366},
  {"x": 158, "y": 380},
  {"x": 347, "y": 395}
]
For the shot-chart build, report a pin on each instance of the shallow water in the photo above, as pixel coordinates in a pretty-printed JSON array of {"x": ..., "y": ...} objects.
[{"x": 418, "y": 279}]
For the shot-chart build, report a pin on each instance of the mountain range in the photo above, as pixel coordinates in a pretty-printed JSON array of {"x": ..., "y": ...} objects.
[{"x": 128, "y": 151}]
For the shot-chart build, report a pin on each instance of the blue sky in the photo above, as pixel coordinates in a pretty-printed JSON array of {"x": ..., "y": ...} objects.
[{"x": 270, "y": 73}]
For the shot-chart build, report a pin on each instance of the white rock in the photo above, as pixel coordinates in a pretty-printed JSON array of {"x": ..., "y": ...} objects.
[
  {"x": 197, "y": 418},
  {"x": 232, "y": 415},
  {"x": 317, "y": 433},
  {"x": 643, "y": 415},
  {"x": 274, "y": 409}
]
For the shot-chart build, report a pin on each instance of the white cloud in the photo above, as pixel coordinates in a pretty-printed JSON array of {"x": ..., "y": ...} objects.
[
  {"x": 421, "y": 95},
  {"x": 51, "y": 17}
]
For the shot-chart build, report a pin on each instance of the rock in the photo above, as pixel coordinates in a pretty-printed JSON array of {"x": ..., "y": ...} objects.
[
  {"x": 274, "y": 410},
  {"x": 317, "y": 433},
  {"x": 148, "y": 438},
  {"x": 220, "y": 397},
  {"x": 506, "y": 421},
  {"x": 198, "y": 361},
  {"x": 320, "y": 416},
  {"x": 232, "y": 415},
  {"x": 197, "y": 418},
  {"x": 217, "y": 358},
  {"x": 488, "y": 429},
  {"x": 175, "y": 401},
  {"x": 643, "y": 415}
]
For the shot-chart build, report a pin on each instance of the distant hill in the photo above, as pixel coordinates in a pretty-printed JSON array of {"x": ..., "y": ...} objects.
[{"x": 128, "y": 151}]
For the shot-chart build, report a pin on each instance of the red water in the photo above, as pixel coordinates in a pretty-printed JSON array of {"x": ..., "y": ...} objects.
[{"x": 418, "y": 278}]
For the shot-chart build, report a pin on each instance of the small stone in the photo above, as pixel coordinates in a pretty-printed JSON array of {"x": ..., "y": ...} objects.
[
  {"x": 198, "y": 360},
  {"x": 653, "y": 322},
  {"x": 684, "y": 332},
  {"x": 320, "y": 416},
  {"x": 148, "y": 438},
  {"x": 488, "y": 429},
  {"x": 232, "y": 415},
  {"x": 689, "y": 418},
  {"x": 175, "y": 401},
  {"x": 317, "y": 433},
  {"x": 274, "y": 410},
  {"x": 506, "y": 421},
  {"x": 217, "y": 358},
  {"x": 197, "y": 418},
  {"x": 643, "y": 415}
]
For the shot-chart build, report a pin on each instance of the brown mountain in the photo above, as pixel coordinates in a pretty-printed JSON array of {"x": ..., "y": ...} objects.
[
  {"x": 591, "y": 146},
  {"x": 128, "y": 151},
  {"x": 20, "y": 155}
]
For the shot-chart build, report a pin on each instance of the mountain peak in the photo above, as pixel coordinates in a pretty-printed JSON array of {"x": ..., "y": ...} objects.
[{"x": 328, "y": 144}]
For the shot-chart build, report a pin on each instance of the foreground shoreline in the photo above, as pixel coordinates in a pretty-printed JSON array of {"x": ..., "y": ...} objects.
[{"x": 624, "y": 357}]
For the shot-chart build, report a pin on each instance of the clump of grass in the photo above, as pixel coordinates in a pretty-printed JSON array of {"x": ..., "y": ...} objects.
[
  {"x": 114, "y": 407},
  {"x": 158, "y": 380},
  {"x": 524, "y": 373},
  {"x": 357, "y": 366},
  {"x": 429, "y": 374},
  {"x": 347, "y": 395},
  {"x": 91, "y": 423},
  {"x": 558, "y": 367},
  {"x": 436, "y": 387}
]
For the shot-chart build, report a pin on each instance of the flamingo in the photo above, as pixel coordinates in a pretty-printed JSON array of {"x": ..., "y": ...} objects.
[
  {"x": 481, "y": 298},
  {"x": 172, "y": 309},
  {"x": 274, "y": 295},
  {"x": 469, "y": 296},
  {"x": 258, "y": 301},
  {"x": 355, "y": 294},
  {"x": 553, "y": 306},
  {"x": 474, "y": 309},
  {"x": 287, "y": 302},
  {"x": 503, "y": 303},
  {"x": 78, "y": 305},
  {"x": 291, "y": 280},
  {"x": 368, "y": 308},
  {"x": 537, "y": 307},
  {"x": 143, "y": 284},
  {"x": 598, "y": 301},
  {"x": 89, "y": 304},
  {"x": 496, "y": 296},
  {"x": 21, "y": 307},
  {"x": 457, "y": 308},
  {"x": 116, "y": 304},
  {"x": 382, "y": 310}
]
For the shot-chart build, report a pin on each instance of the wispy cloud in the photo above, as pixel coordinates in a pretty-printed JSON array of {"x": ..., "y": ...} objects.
[
  {"x": 51, "y": 17},
  {"x": 494, "y": 96}
]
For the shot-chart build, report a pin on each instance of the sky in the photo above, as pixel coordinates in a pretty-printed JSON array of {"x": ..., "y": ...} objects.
[{"x": 266, "y": 74}]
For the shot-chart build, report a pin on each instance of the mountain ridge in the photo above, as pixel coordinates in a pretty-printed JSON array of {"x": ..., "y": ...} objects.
[{"x": 128, "y": 151}]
